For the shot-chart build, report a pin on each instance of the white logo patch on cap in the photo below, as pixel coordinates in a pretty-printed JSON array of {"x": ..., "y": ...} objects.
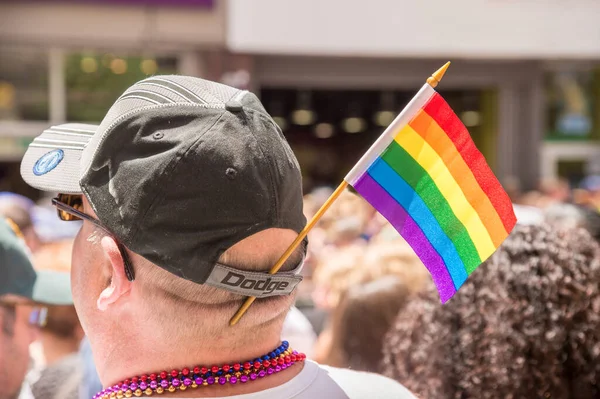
[{"x": 48, "y": 162}]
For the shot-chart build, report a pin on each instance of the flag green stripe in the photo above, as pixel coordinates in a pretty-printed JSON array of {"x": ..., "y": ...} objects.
[{"x": 418, "y": 178}]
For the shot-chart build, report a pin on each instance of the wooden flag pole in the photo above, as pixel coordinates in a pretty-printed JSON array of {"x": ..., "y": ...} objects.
[
  {"x": 238, "y": 315},
  {"x": 433, "y": 81}
]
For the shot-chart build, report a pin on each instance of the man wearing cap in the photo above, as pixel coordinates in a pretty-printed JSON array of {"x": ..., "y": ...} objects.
[
  {"x": 18, "y": 209},
  {"x": 20, "y": 289},
  {"x": 189, "y": 194}
]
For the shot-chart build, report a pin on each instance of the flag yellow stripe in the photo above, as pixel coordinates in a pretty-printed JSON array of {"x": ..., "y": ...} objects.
[
  {"x": 438, "y": 139},
  {"x": 426, "y": 156}
]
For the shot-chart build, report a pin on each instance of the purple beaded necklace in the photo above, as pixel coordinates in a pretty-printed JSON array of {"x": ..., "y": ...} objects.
[{"x": 157, "y": 383}]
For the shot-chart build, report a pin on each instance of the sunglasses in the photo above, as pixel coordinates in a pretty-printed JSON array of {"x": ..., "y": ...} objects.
[
  {"x": 38, "y": 316},
  {"x": 70, "y": 208}
]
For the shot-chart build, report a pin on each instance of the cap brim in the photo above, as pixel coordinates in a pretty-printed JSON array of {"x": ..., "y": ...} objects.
[
  {"x": 53, "y": 160},
  {"x": 52, "y": 288}
]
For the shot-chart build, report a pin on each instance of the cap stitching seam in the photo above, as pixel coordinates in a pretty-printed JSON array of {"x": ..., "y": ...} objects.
[
  {"x": 190, "y": 92},
  {"x": 239, "y": 95},
  {"x": 130, "y": 96},
  {"x": 146, "y": 92},
  {"x": 275, "y": 200},
  {"x": 267, "y": 119},
  {"x": 171, "y": 90}
]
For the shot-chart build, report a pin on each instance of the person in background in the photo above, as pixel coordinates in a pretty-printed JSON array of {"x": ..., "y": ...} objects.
[
  {"x": 21, "y": 293},
  {"x": 360, "y": 321},
  {"x": 38, "y": 223},
  {"x": 341, "y": 286},
  {"x": 18, "y": 209},
  {"x": 557, "y": 190},
  {"x": 590, "y": 196},
  {"x": 526, "y": 324},
  {"x": 61, "y": 335},
  {"x": 357, "y": 265},
  {"x": 47, "y": 237},
  {"x": 573, "y": 216},
  {"x": 90, "y": 381}
]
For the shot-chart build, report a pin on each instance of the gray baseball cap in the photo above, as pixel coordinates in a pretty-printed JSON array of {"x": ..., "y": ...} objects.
[
  {"x": 179, "y": 170},
  {"x": 19, "y": 277}
]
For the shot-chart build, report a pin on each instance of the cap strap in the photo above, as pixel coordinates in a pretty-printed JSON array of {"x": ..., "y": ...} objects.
[{"x": 258, "y": 284}]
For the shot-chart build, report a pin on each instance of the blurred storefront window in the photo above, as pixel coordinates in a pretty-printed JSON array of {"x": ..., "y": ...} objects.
[
  {"x": 94, "y": 81},
  {"x": 571, "y": 100},
  {"x": 329, "y": 130},
  {"x": 23, "y": 84},
  {"x": 572, "y": 170}
]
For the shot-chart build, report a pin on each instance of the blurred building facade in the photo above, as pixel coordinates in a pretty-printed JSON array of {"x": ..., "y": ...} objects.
[
  {"x": 525, "y": 77},
  {"x": 69, "y": 60}
]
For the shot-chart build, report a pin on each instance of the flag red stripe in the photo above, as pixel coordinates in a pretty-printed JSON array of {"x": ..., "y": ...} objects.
[{"x": 441, "y": 112}]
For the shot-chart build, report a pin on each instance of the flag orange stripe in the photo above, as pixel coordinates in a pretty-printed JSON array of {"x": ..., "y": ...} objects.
[{"x": 433, "y": 134}]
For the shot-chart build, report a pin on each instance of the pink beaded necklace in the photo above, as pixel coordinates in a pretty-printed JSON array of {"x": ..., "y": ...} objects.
[{"x": 277, "y": 360}]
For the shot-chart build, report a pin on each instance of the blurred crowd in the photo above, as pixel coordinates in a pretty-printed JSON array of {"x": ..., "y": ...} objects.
[{"x": 525, "y": 324}]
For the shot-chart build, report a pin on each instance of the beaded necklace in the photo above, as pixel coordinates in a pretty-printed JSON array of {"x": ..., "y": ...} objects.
[{"x": 274, "y": 362}]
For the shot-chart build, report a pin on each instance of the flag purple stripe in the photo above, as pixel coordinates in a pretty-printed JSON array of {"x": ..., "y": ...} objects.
[{"x": 412, "y": 233}]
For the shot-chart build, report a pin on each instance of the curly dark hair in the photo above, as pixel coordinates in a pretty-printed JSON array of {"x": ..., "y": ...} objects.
[{"x": 526, "y": 324}]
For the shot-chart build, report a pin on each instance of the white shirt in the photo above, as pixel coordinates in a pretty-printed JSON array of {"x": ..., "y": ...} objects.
[{"x": 316, "y": 381}]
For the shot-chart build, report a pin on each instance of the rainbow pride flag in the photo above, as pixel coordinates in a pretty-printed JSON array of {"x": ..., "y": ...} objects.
[{"x": 428, "y": 179}]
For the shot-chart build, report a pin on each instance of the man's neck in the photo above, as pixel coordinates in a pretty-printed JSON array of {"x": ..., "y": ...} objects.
[{"x": 153, "y": 357}]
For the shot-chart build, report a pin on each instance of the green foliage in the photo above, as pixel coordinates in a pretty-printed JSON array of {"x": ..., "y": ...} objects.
[{"x": 91, "y": 93}]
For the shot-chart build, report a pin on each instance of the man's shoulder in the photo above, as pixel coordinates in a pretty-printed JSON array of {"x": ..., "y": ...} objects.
[{"x": 359, "y": 384}]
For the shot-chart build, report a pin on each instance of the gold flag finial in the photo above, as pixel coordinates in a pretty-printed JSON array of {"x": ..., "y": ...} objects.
[{"x": 434, "y": 79}]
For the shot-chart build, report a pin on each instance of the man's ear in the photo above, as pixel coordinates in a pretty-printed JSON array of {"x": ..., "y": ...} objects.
[{"x": 119, "y": 284}]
